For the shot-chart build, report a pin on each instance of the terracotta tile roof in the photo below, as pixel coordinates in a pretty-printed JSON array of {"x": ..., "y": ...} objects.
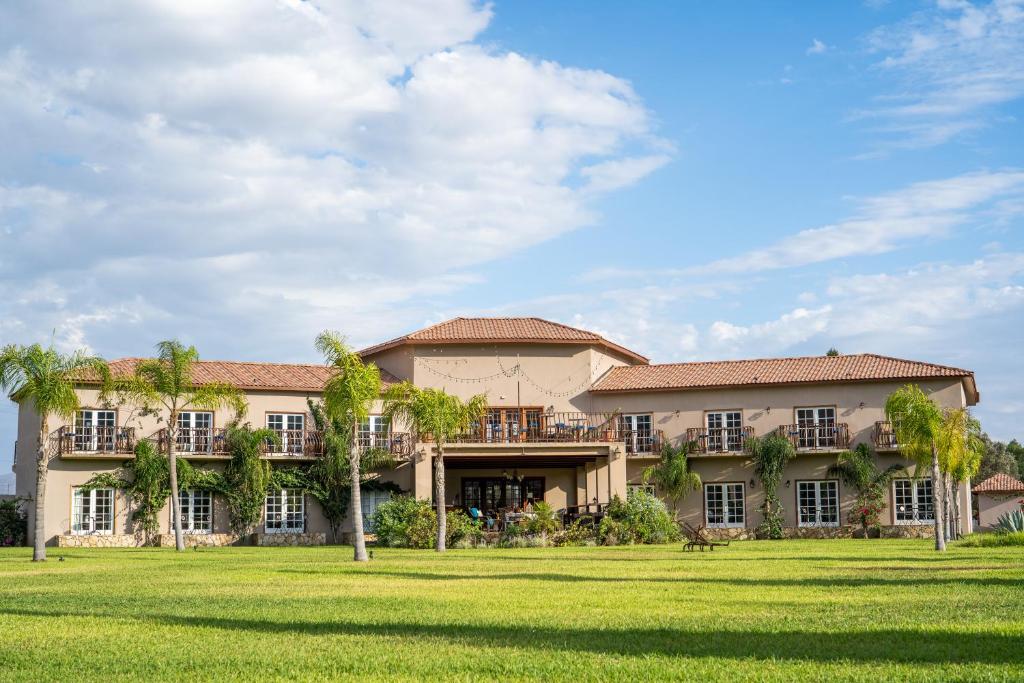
[
  {"x": 1000, "y": 483},
  {"x": 254, "y": 376},
  {"x": 503, "y": 330},
  {"x": 772, "y": 371}
]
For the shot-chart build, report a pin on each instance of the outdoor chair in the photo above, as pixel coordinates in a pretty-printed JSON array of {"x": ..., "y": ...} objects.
[
  {"x": 486, "y": 519},
  {"x": 697, "y": 538}
]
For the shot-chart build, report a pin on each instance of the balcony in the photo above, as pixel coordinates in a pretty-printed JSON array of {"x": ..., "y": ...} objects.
[
  {"x": 828, "y": 436},
  {"x": 553, "y": 428},
  {"x": 641, "y": 443},
  {"x": 294, "y": 443},
  {"x": 99, "y": 440},
  {"x": 884, "y": 437},
  {"x": 720, "y": 441}
]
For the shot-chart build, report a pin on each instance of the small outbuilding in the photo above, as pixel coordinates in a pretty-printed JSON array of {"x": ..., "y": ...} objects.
[{"x": 997, "y": 495}]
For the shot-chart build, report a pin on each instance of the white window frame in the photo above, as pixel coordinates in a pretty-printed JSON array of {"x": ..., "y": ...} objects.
[
  {"x": 195, "y": 431},
  {"x": 916, "y": 496},
  {"x": 371, "y": 498},
  {"x": 85, "y": 520},
  {"x": 729, "y": 428},
  {"x": 730, "y": 505},
  {"x": 88, "y": 424},
  {"x": 188, "y": 502},
  {"x": 819, "y": 417},
  {"x": 284, "y": 512},
  {"x": 817, "y": 516},
  {"x": 284, "y": 424},
  {"x": 374, "y": 431},
  {"x": 641, "y": 436}
]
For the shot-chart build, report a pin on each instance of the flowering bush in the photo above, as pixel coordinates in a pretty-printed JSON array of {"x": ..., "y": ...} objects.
[{"x": 867, "y": 508}]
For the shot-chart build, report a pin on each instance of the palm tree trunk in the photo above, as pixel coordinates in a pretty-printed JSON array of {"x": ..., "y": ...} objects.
[
  {"x": 937, "y": 504},
  {"x": 172, "y": 466},
  {"x": 42, "y": 467},
  {"x": 955, "y": 521},
  {"x": 442, "y": 520},
  {"x": 357, "y": 497}
]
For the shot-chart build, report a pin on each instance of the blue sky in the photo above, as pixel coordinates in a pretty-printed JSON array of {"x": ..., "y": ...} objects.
[{"x": 694, "y": 180}]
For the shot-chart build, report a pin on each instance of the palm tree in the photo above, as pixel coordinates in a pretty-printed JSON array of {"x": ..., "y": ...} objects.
[
  {"x": 330, "y": 477},
  {"x": 47, "y": 378},
  {"x": 672, "y": 475},
  {"x": 961, "y": 444},
  {"x": 769, "y": 455},
  {"x": 165, "y": 384},
  {"x": 857, "y": 468},
  {"x": 441, "y": 416},
  {"x": 348, "y": 398},
  {"x": 917, "y": 423}
]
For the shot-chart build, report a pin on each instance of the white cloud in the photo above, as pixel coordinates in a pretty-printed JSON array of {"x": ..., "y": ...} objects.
[
  {"x": 955, "y": 63},
  {"x": 234, "y": 169},
  {"x": 817, "y": 47}
]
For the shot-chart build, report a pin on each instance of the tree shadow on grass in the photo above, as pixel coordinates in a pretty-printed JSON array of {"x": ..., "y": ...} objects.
[
  {"x": 884, "y": 646},
  {"x": 822, "y": 582}
]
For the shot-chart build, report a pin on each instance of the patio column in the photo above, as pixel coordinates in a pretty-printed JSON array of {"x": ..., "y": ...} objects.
[
  {"x": 616, "y": 474},
  {"x": 423, "y": 475}
]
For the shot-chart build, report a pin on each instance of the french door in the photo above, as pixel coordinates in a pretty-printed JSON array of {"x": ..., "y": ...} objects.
[
  {"x": 195, "y": 432},
  {"x": 94, "y": 430},
  {"x": 817, "y": 503},
  {"x": 639, "y": 435},
  {"x": 816, "y": 427},
  {"x": 290, "y": 428},
  {"x": 724, "y": 432},
  {"x": 92, "y": 512}
]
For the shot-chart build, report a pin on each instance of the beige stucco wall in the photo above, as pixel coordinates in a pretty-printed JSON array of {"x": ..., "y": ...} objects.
[
  {"x": 548, "y": 371},
  {"x": 992, "y": 506},
  {"x": 766, "y": 408}
]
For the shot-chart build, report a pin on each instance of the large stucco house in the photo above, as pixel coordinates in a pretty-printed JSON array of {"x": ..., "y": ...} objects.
[{"x": 574, "y": 420}]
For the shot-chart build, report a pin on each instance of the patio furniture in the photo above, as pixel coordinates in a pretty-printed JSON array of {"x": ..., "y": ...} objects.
[
  {"x": 696, "y": 537},
  {"x": 488, "y": 520}
]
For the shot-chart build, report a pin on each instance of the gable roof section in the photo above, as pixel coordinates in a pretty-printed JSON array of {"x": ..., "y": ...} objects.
[
  {"x": 862, "y": 367},
  {"x": 1000, "y": 483},
  {"x": 252, "y": 376},
  {"x": 503, "y": 331}
]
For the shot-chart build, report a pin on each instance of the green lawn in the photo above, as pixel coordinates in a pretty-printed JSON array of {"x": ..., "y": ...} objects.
[{"x": 814, "y": 610}]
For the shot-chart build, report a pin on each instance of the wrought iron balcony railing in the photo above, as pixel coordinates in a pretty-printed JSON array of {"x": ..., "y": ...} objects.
[
  {"x": 827, "y": 436},
  {"x": 720, "y": 440},
  {"x": 884, "y": 436},
  {"x": 111, "y": 440}
]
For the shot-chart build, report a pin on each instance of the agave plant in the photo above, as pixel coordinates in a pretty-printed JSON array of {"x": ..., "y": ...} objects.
[{"x": 1011, "y": 522}]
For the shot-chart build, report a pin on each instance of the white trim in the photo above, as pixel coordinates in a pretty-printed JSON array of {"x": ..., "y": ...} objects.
[
  {"x": 726, "y": 494},
  {"x": 188, "y": 501},
  {"x": 916, "y": 499},
  {"x": 816, "y": 486},
  {"x": 284, "y": 512},
  {"x": 92, "y": 511}
]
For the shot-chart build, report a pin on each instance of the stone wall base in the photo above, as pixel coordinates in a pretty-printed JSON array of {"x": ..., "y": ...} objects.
[
  {"x": 202, "y": 540},
  {"x": 845, "y": 531},
  {"x": 100, "y": 541},
  {"x": 315, "y": 538}
]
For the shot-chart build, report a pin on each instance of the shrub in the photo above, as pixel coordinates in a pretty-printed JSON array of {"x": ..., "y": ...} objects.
[
  {"x": 13, "y": 523},
  {"x": 544, "y": 520},
  {"x": 1013, "y": 538},
  {"x": 1011, "y": 522},
  {"x": 641, "y": 518},
  {"x": 580, "y": 532},
  {"x": 405, "y": 522},
  {"x": 461, "y": 530}
]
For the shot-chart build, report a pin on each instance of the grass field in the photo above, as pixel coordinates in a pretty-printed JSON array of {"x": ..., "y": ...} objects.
[{"x": 814, "y": 610}]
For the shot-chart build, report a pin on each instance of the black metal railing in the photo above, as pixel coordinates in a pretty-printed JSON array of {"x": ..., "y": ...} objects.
[
  {"x": 825, "y": 436},
  {"x": 95, "y": 440},
  {"x": 720, "y": 439}
]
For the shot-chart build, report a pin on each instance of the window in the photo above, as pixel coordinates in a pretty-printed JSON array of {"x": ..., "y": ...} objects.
[
  {"x": 817, "y": 503},
  {"x": 507, "y": 425},
  {"x": 290, "y": 428},
  {"x": 94, "y": 430},
  {"x": 912, "y": 501},
  {"x": 724, "y": 431},
  {"x": 371, "y": 499},
  {"x": 195, "y": 432},
  {"x": 723, "y": 505},
  {"x": 285, "y": 512},
  {"x": 646, "y": 488},
  {"x": 498, "y": 493},
  {"x": 196, "y": 508},
  {"x": 816, "y": 427},
  {"x": 639, "y": 437},
  {"x": 92, "y": 511},
  {"x": 373, "y": 433}
]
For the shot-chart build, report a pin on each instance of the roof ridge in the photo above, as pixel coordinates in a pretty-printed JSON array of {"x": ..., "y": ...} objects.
[
  {"x": 791, "y": 358},
  {"x": 235, "y": 362}
]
